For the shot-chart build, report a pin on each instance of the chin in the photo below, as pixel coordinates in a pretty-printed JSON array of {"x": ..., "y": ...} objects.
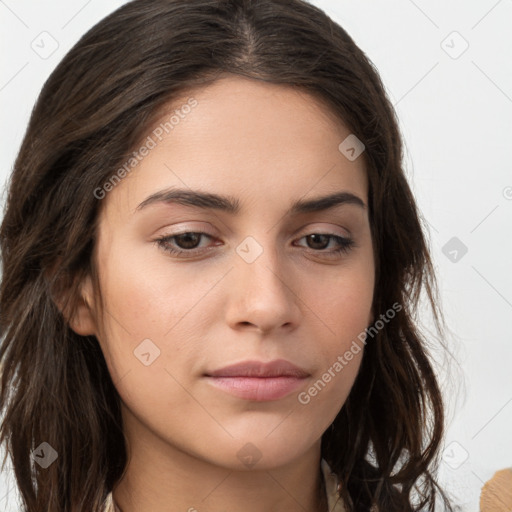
[{"x": 261, "y": 450}]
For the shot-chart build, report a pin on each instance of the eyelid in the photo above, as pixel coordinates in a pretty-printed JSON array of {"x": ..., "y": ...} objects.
[
  {"x": 182, "y": 228},
  {"x": 345, "y": 244},
  {"x": 314, "y": 229},
  {"x": 300, "y": 233}
]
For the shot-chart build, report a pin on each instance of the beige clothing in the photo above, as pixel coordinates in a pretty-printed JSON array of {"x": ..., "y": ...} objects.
[{"x": 331, "y": 484}]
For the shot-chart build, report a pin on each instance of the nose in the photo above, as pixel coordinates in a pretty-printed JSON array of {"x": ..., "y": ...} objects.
[{"x": 262, "y": 294}]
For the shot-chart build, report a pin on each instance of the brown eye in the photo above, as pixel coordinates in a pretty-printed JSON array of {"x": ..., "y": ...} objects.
[
  {"x": 183, "y": 244},
  {"x": 188, "y": 240},
  {"x": 318, "y": 242}
]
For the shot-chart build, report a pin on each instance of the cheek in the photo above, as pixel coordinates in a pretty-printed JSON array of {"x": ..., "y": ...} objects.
[
  {"x": 146, "y": 294},
  {"x": 147, "y": 338},
  {"x": 156, "y": 312},
  {"x": 342, "y": 301},
  {"x": 138, "y": 310},
  {"x": 342, "y": 305}
]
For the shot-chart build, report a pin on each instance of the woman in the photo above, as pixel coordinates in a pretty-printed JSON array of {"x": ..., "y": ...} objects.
[{"x": 211, "y": 264}]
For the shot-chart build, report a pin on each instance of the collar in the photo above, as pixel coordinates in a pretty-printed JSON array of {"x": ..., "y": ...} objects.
[{"x": 334, "y": 502}]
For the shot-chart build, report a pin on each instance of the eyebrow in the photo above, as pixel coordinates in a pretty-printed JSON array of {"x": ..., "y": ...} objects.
[{"x": 231, "y": 205}]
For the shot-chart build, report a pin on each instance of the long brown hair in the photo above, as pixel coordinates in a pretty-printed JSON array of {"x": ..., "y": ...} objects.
[{"x": 94, "y": 108}]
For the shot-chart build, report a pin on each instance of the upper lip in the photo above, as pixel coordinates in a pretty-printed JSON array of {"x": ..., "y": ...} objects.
[{"x": 276, "y": 368}]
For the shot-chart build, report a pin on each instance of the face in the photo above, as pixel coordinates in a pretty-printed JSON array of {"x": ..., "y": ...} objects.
[{"x": 264, "y": 273}]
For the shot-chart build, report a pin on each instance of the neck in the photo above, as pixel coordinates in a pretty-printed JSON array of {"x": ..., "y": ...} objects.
[{"x": 162, "y": 478}]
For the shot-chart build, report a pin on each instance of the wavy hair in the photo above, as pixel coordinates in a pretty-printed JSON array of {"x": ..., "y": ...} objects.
[{"x": 98, "y": 103}]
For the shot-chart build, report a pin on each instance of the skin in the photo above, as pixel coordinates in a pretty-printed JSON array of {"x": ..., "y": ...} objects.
[{"x": 266, "y": 145}]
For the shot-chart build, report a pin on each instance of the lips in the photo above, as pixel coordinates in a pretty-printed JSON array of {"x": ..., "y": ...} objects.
[
  {"x": 257, "y": 381},
  {"x": 276, "y": 368}
]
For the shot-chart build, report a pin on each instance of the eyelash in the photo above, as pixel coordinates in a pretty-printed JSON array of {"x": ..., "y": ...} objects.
[{"x": 346, "y": 244}]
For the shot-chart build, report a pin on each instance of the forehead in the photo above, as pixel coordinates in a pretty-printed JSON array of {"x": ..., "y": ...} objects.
[
  {"x": 235, "y": 106},
  {"x": 247, "y": 138}
]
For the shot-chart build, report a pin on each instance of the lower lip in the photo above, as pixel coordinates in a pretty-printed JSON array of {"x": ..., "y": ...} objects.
[{"x": 259, "y": 389}]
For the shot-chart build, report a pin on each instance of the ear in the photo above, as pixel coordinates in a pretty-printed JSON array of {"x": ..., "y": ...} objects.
[{"x": 81, "y": 319}]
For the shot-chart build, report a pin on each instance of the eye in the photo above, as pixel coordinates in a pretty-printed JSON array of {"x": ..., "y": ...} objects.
[
  {"x": 187, "y": 244},
  {"x": 321, "y": 241}
]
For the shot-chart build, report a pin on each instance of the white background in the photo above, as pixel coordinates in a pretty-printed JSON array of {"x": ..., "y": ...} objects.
[{"x": 455, "y": 110}]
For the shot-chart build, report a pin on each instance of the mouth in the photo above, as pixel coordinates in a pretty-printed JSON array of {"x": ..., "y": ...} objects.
[{"x": 258, "y": 381}]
